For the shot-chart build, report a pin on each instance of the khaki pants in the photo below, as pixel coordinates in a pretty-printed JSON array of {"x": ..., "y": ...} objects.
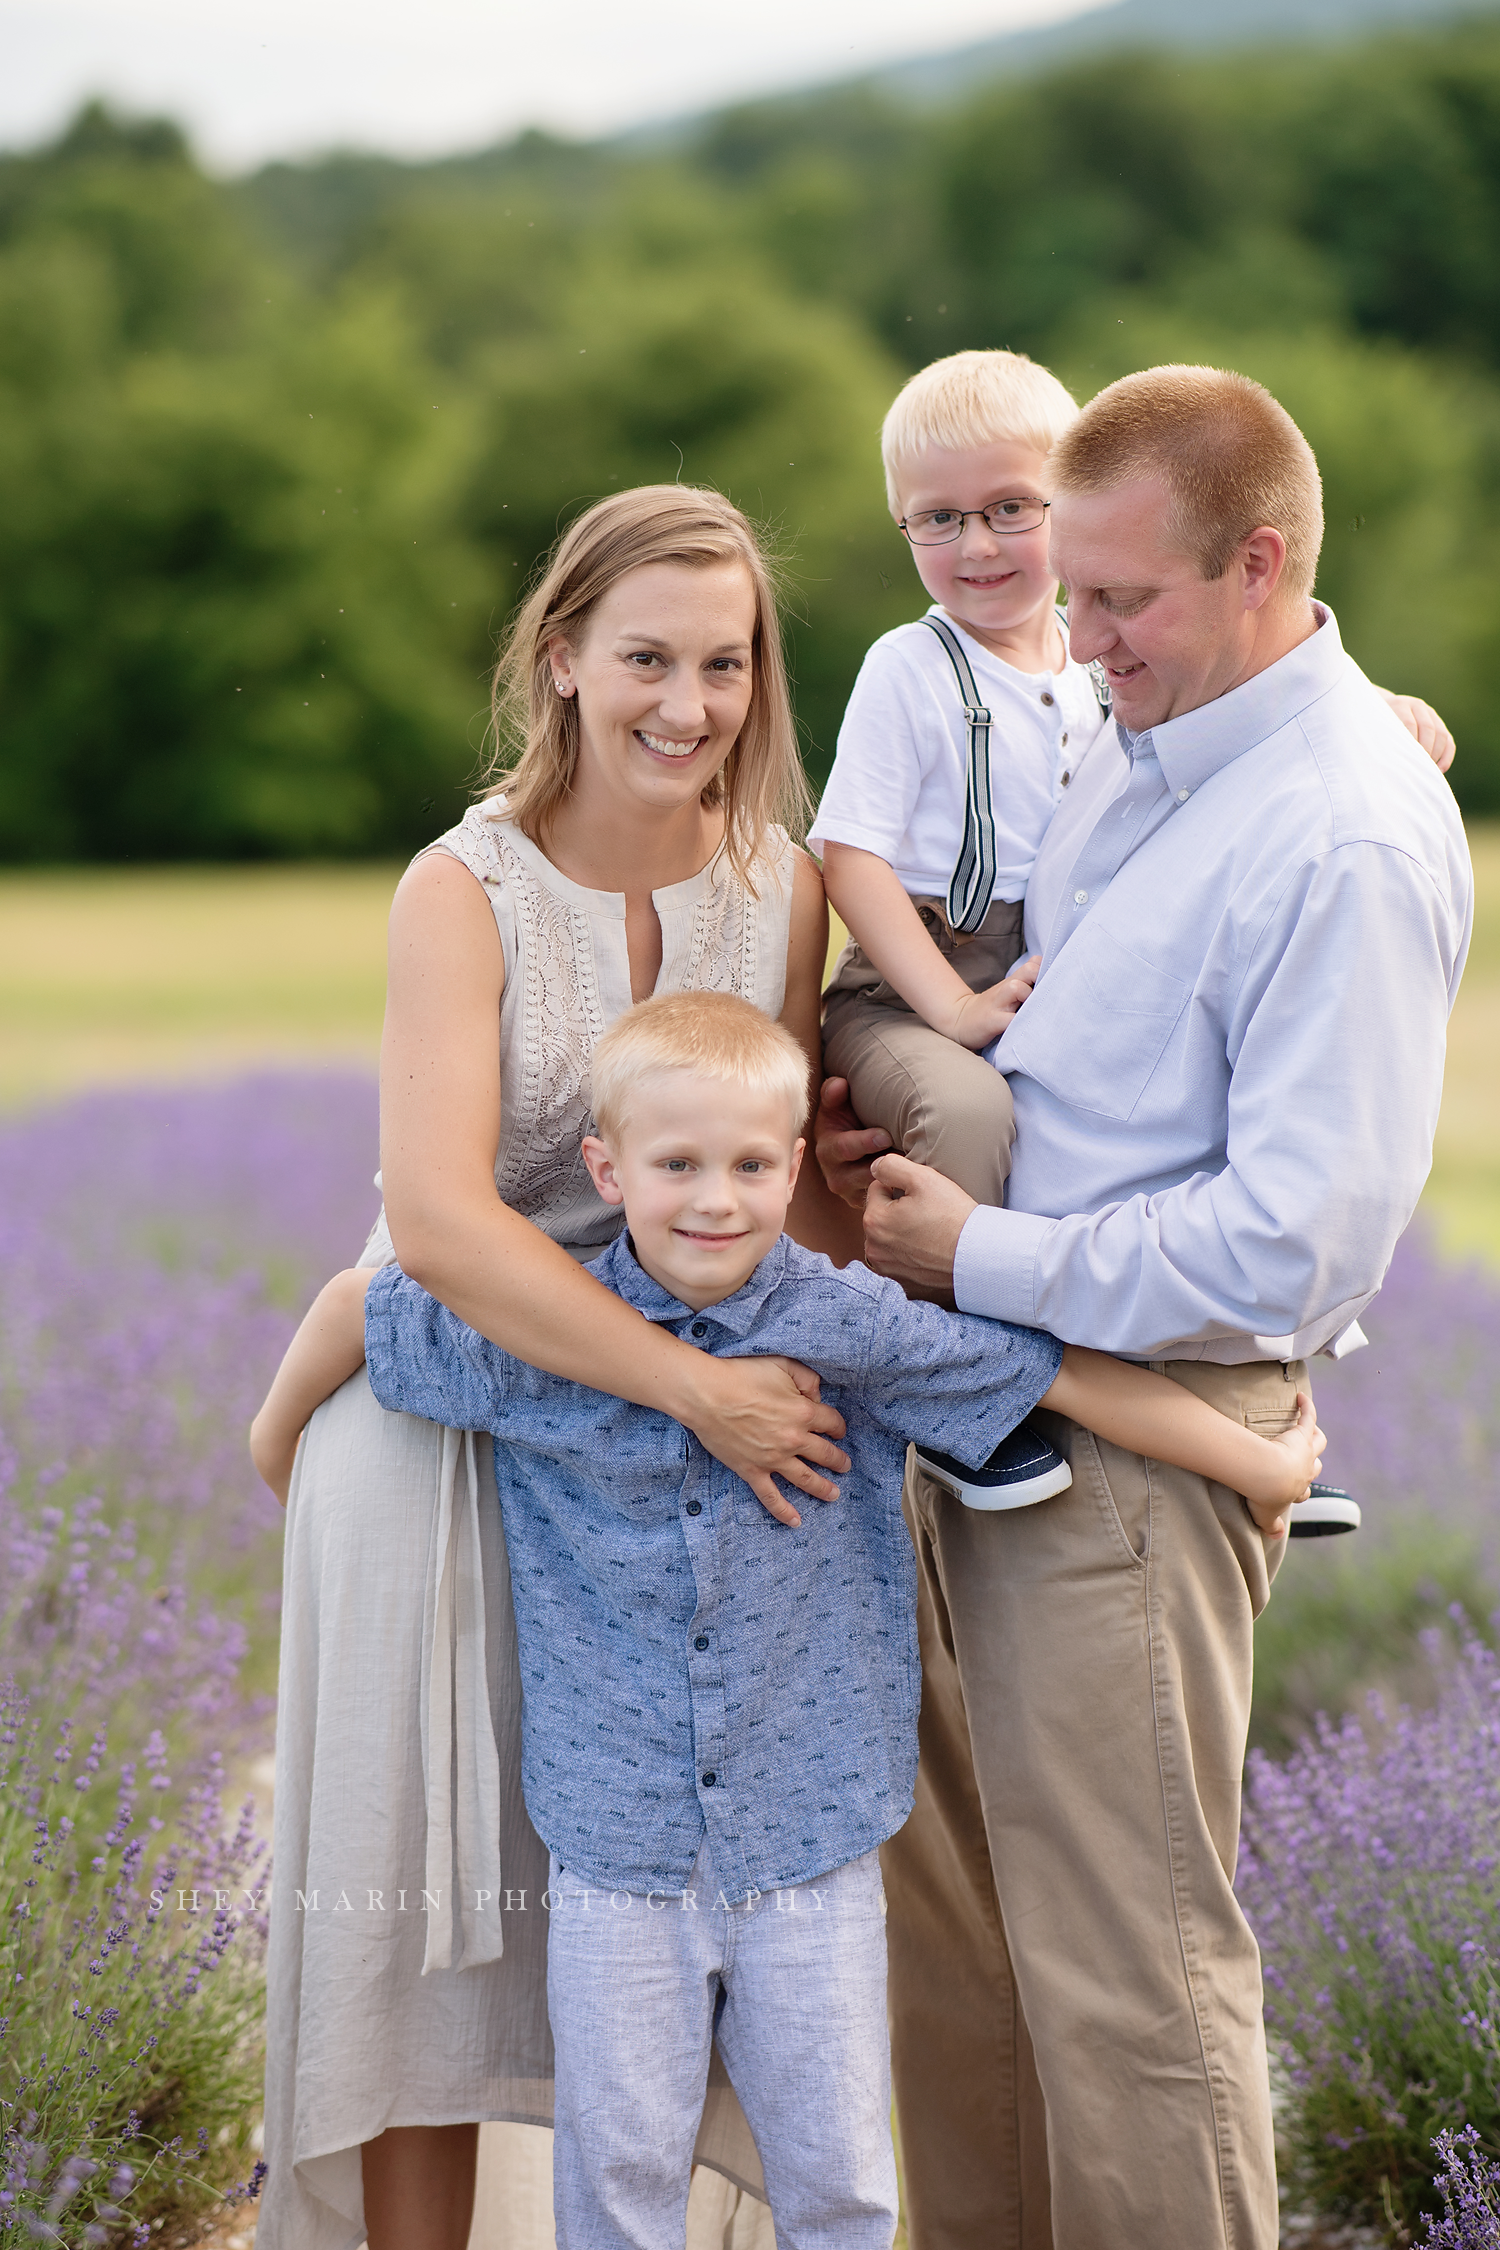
[
  {"x": 1080, "y": 2062},
  {"x": 940, "y": 1104}
]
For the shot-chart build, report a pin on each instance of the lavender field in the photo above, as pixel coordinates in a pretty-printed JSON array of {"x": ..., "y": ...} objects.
[
  {"x": 156, "y": 1248},
  {"x": 155, "y": 1251}
]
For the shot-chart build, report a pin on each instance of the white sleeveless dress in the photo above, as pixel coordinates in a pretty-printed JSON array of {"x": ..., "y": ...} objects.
[{"x": 400, "y": 1989}]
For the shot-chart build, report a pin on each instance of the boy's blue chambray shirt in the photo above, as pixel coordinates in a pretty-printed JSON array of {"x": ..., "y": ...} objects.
[{"x": 687, "y": 1662}]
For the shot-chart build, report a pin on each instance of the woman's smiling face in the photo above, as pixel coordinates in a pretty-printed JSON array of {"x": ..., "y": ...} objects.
[{"x": 663, "y": 676}]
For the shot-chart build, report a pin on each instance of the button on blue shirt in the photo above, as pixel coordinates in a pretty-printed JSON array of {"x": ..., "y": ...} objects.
[{"x": 687, "y": 1662}]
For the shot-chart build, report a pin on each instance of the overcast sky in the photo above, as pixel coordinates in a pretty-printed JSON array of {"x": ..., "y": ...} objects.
[{"x": 259, "y": 78}]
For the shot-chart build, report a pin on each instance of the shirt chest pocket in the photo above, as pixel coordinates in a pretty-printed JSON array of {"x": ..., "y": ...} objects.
[{"x": 1097, "y": 1026}]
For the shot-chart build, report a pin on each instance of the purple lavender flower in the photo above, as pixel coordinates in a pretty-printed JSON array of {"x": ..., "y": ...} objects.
[
  {"x": 155, "y": 1251},
  {"x": 1370, "y": 1872},
  {"x": 1469, "y": 2184}
]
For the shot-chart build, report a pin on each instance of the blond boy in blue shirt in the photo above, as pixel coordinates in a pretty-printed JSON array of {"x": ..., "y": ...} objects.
[{"x": 719, "y": 1717}]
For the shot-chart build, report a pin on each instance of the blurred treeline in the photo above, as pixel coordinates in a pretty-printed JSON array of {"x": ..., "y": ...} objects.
[{"x": 277, "y": 454}]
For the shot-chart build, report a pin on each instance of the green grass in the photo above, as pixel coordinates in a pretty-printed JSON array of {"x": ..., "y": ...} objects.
[{"x": 119, "y": 974}]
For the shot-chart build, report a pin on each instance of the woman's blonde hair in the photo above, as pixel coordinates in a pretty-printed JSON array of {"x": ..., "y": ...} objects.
[
  {"x": 705, "y": 1034},
  {"x": 536, "y": 729}
]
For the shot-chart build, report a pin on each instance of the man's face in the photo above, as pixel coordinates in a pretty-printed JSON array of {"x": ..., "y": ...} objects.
[{"x": 1169, "y": 638}]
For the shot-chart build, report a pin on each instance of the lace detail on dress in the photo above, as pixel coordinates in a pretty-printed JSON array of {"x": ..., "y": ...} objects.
[
  {"x": 541, "y": 1172},
  {"x": 564, "y": 986},
  {"x": 725, "y": 928},
  {"x": 474, "y": 844}
]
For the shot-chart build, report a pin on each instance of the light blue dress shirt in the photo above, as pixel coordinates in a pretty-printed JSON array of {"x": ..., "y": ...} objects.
[
  {"x": 688, "y": 1664},
  {"x": 1252, "y": 923}
]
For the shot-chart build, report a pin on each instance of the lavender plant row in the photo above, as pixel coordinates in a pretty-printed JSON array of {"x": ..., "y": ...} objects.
[
  {"x": 155, "y": 1251},
  {"x": 1414, "y": 1420},
  {"x": 1370, "y": 1871}
]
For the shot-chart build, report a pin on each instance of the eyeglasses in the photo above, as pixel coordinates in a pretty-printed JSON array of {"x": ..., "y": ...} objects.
[{"x": 935, "y": 527}]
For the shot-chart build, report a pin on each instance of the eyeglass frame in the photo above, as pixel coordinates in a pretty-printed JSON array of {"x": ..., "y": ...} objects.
[{"x": 997, "y": 531}]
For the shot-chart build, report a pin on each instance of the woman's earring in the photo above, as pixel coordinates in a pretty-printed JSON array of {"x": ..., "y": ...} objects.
[{"x": 562, "y": 687}]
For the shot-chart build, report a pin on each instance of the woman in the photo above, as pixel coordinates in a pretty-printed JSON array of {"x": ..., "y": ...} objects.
[{"x": 634, "y": 850}]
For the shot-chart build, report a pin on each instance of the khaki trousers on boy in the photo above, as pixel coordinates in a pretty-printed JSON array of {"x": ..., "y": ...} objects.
[
  {"x": 940, "y": 1104},
  {"x": 1080, "y": 2062}
]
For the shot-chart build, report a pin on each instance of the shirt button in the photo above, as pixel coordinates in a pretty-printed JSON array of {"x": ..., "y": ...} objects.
[
  {"x": 1182, "y": 796},
  {"x": 1046, "y": 696},
  {"x": 1080, "y": 898},
  {"x": 695, "y": 1507},
  {"x": 709, "y": 1779},
  {"x": 1065, "y": 742},
  {"x": 700, "y": 1327},
  {"x": 701, "y": 1641},
  {"x": 1067, "y": 777}
]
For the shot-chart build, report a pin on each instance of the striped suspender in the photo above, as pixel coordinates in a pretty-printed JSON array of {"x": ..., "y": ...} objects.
[{"x": 973, "y": 883}]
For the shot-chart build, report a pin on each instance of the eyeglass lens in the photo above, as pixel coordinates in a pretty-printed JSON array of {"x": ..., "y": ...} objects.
[{"x": 935, "y": 526}]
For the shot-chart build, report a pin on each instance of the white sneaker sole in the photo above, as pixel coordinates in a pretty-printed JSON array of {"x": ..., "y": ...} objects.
[
  {"x": 1322, "y": 1519},
  {"x": 993, "y": 1497}
]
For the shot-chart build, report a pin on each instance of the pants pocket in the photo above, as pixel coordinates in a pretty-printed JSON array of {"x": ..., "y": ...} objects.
[{"x": 1120, "y": 1485}]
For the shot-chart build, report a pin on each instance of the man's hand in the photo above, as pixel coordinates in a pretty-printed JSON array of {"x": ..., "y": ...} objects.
[
  {"x": 913, "y": 1219},
  {"x": 844, "y": 1146},
  {"x": 762, "y": 1418},
  {"x": 1420, "y": 719}
]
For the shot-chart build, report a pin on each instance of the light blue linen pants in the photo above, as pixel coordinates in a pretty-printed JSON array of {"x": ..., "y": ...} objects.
[{"x": 793, "y": 1987}]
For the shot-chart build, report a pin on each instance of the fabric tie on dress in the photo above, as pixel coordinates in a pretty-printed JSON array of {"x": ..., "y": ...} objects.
[{"x": 458, "y": 1732}]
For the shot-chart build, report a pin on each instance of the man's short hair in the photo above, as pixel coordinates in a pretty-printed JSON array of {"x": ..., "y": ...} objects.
[
  {"x": 969, "y": 400},
  {"x": 708, "y": 1034},
  {"x": 1229, "y": 454}
]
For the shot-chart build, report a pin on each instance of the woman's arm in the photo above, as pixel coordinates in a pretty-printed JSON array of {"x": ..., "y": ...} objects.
[
  {"x": 439, "y": 1129},
  {"x": 324, "y": 1353},
  {"x": 817, "y": 1219},
  {"x": 1149, "y": 1414},
  {"x": 868, "y": 895}
]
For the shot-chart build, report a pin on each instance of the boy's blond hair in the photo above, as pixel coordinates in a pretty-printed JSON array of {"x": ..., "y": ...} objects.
[
  {"x": 536, "y": 729},
  {"x": 709, "y": 1034},
  {"x": 1229, "y": 454},
  {"x": 970, "y": 400}
]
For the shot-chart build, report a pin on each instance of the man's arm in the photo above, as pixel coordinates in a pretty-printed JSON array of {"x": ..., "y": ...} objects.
[
  {"x": 1336, "y": 1047},
  {"x": 326, "y": 1350}
]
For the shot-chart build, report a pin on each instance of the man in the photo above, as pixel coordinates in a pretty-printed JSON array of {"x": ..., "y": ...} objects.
[{"x": 1252, "y": 910}]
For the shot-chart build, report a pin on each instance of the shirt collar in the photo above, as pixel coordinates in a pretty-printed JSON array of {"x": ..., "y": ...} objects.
[
  {"x": 618, "y": 1269},
  {"x": 1194, "y": 747}
]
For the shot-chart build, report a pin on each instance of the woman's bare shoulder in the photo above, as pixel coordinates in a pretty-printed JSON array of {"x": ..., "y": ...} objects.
[{"x": 444, "y": 913}]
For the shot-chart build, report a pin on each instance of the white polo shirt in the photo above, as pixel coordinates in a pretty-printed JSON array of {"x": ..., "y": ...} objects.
[{"x": 899, "y": 775}]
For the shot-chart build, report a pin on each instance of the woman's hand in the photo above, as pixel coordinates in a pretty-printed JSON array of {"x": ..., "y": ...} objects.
[
  {"x": 762, "y": 1418},
  {"x": 1293, "y": 1459}
]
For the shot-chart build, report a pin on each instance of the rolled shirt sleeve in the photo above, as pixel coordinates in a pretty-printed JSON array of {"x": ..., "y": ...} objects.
[
  {"x": 423, "y": 1360},
  {"x": 948, "y": 1380}
]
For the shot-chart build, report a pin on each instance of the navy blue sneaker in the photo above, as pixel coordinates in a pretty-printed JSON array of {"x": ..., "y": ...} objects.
[
  {"x": 1022, "y": 1469},
  {"x": 1327, "y": 1511}
]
